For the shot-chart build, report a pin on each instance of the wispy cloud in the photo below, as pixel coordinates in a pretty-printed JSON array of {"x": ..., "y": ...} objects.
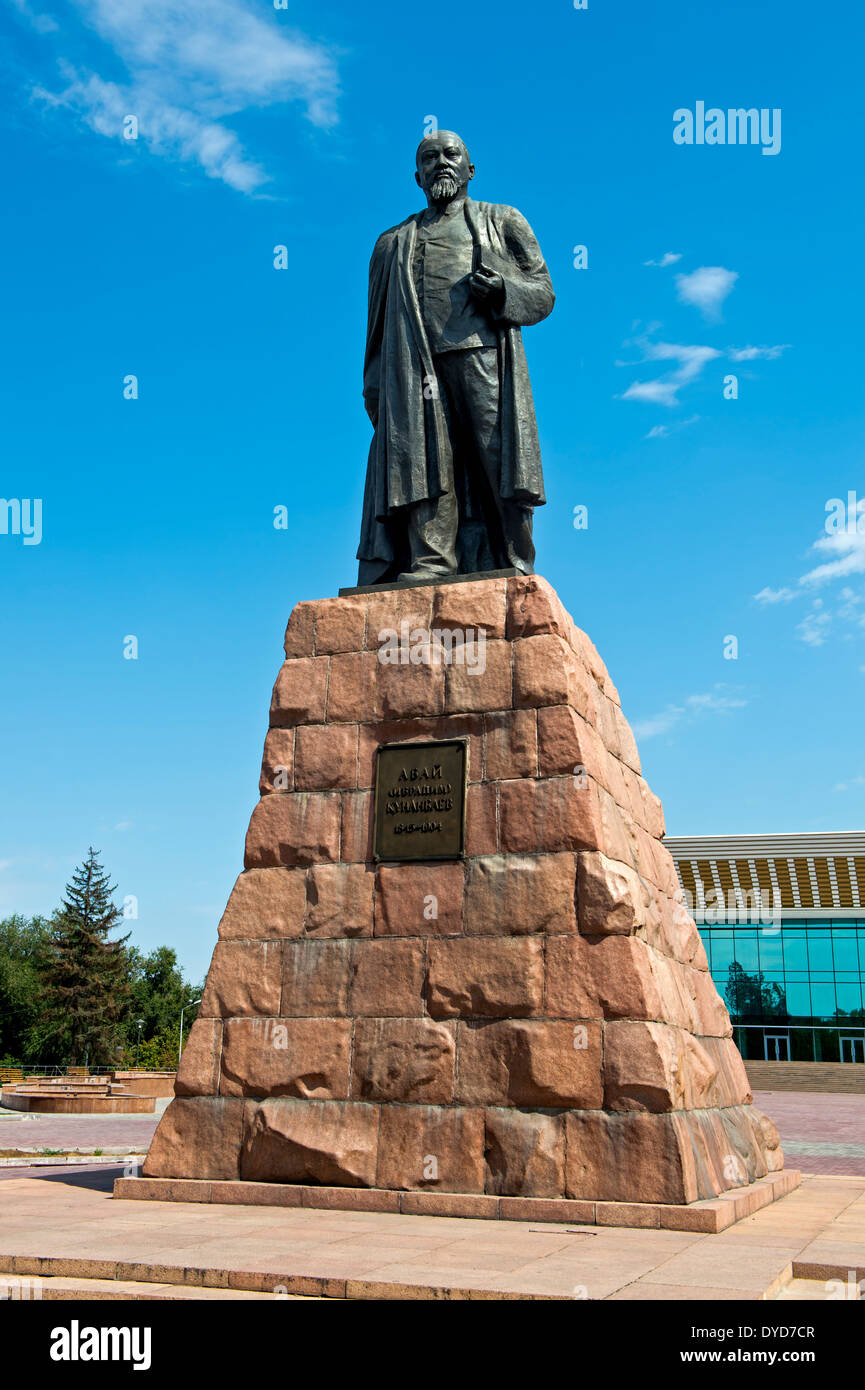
[
  {"x": 755, "y": 354},
  {"x": 664, "y": 431},
  {"x": 660, "y": 392},
  {"x": 715, "y": 703},
  {"x": 706, "y": 288},
  {"x": 42, "y": 23},
  {"x": 189, "y": 68},
  {"x": 657, "y": 723},
  {"x": 814, "y": 627},
  {"x": 843, "y": 541},
  {"x": 691, "y": 708},
  {"x": 664, "y": 390},
  {"x": 768, "y": 595},
  {"x": 848, "y": 548},
  {"x": 851, "y": 782},
  {"x": 845, "y": 610}
]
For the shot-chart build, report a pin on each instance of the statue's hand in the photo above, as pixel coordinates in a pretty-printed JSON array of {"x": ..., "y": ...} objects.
[{"x": 488, "y": 286}]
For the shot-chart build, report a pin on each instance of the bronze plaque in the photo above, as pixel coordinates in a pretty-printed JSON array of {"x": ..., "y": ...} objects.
[{"x": 420, "y": 800}]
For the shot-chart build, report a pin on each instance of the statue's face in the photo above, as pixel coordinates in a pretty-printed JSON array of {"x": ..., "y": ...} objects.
[{"x": 443, "y": 166}]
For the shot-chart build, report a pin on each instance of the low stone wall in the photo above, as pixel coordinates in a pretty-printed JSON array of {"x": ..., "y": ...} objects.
[
  {"x": 142, "y": 1083},
  {"x": 45, "y": 1103}
]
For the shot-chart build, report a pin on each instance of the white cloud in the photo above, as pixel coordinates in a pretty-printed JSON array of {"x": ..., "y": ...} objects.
[
  {"x": 713, "y": 702},
  {"x": 845, "y": 549},
  {"x": 690, "y": 361},
  {"x": 664, "y": 431},
  {"x": 821, "y": 622},
  {"x": 851, "y": 782},
  {"x": 657, "y": 723},
  {"x": 814, "y": 627},
  {"x": 706, "y": 288},
  {"x": 768, "y": 595},
  {"x": 849, "y": 549},
  {"x": 660, "y": 392},
  {"x": 167, "y": 130},
  {"x": 753, "y": 354},
  {"x": 190, "y": 67},
  {"x": 42, "y": 23},
  {"x": 668, "y": 258}
]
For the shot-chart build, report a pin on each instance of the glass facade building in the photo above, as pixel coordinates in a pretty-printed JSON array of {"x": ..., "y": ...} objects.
[{"x": 782, "y": 919}]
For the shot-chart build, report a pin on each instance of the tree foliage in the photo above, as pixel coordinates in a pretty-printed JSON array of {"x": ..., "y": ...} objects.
[
  {"x": 72, "y": 991},
  {"x": 23, "y": 955},
  {"x": 85, "y": 994},
  {"x": 752, "y": 996}
]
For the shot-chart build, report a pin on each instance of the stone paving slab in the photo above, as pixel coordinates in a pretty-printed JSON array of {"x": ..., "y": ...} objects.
[
  {"x": 798, "y": 1146},
  {"x": 67, "y": 1226},
  {"x": 821, "y": 1133},
  {"x": 104, "y": 1290},
  {"x": 813, "y": 1115},
  {"x": 842, "y": 1166}
]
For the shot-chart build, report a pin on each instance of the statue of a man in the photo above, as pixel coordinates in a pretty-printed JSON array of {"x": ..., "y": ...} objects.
[{"x": 454, "y": 467}]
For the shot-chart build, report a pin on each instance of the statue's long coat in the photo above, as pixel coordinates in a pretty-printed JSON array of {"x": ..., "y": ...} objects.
[{"x": 409, "y": 458}]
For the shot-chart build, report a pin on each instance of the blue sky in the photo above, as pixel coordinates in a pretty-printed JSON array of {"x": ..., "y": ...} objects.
[{"x": 154, "y": 257}]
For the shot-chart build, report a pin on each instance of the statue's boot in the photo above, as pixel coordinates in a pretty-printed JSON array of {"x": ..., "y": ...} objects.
[{"x": 427, "y": 576}]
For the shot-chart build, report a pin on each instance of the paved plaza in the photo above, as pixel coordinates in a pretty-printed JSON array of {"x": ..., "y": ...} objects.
[
  {"x": 66, "y": 1229},
  {"x": 62, "y": 1226},
  {"x": 132, "y": 1133},
  {"x": 819, "y": 1133}
]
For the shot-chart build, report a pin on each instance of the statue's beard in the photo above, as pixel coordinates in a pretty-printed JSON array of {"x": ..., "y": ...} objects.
[{"x": 444, "y": 188}]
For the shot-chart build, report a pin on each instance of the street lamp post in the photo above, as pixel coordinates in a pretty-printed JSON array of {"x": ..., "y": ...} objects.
[
  {"x": 138, "y": 1040},
  {"x": 188, "y": 1005}
]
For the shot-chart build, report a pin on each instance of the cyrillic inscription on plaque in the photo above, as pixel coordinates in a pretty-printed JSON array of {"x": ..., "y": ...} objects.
[{"x": 420, "y": 800}]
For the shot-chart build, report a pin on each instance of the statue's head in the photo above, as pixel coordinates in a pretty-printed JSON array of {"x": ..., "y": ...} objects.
[{"x": 443, "y": 166}]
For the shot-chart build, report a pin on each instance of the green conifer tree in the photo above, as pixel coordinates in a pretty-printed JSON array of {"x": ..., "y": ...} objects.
[{"x": 86, "y": 985}]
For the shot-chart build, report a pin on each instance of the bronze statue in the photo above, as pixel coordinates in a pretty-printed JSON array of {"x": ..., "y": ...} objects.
[{"x": 454, "y": 467}]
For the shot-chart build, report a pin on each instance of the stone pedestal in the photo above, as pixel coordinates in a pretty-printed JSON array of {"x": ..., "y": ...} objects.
[{"x": 534, "y": 1020}]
